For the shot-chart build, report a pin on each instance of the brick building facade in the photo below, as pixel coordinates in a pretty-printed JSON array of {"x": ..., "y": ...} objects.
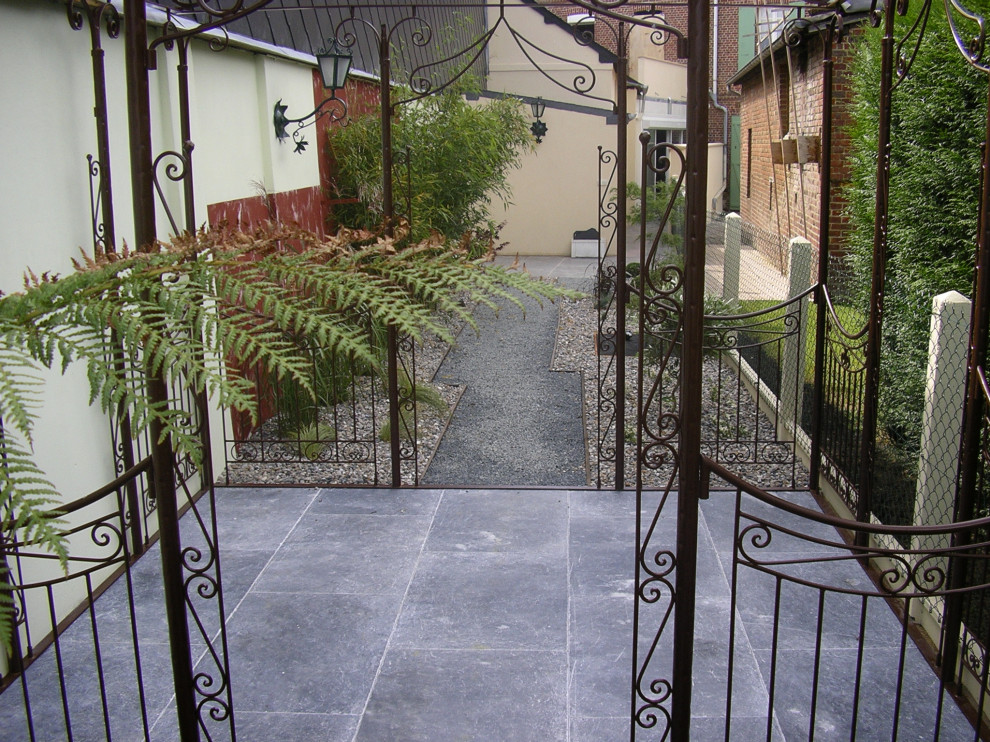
[{"x": 781, "y": 99}]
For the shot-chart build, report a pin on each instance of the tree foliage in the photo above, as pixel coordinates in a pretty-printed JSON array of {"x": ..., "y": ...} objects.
[
  {"x": 260, "y": 299},
  {"x": 938, "y": 122},
  {"x": 460, "y": 158}
]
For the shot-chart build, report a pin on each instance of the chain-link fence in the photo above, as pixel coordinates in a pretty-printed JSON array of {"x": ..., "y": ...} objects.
[{"x": 743, "y": 264}]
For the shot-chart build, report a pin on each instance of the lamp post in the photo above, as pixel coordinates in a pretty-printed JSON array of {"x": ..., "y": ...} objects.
[
  {"x": 538, "y": 128},
  {"x": 334, "y": 63}
]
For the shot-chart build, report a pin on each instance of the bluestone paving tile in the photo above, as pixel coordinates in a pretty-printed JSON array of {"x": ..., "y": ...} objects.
[
  {"x": 835, "y": 700},
  {"x": 741, "y": 729},
  {"x": 507, "y": 521},
  {"x": 311, "y": 653},
  {"x": 798, "y": 615},
  {"x": 376, "y": 501},
  {"x": 255, "y": 518},
  {"x": 485, "y": 601},
  {"x": 347, "y": 554},
  {"x": 598, "y": 729},
  {"x": 287, "y": 727},
  {"x": 602, "y": 557},
  {"x": 465, "y": 695},
  {"x": 600, "y": 656}
]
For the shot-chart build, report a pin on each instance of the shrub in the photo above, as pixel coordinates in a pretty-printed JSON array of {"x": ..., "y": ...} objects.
[
  {"x": 460, "y": 157},
  {"x": 939, "y": 117},
  {"x": 263, "y": 299}
]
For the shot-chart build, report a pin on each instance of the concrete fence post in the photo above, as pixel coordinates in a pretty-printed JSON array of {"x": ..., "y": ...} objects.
[
  {"x": 941, "y": 422},
  {"x": 730, "y": 259},
  {"x": 793, "y": 353}
]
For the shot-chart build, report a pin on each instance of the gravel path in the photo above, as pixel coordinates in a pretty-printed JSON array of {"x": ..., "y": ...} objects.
[{"x": 517, "y": 423}]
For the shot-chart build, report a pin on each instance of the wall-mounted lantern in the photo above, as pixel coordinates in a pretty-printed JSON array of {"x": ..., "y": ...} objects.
[
  {"x": 334, "y": 63},
  {"x": 538, "y": 128}
]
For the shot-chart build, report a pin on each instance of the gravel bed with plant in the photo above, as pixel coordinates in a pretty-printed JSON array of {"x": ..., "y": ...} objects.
[
  {"x": 723, "y": 415},
  {"x": 574, "y": 351},
  {"x": 269, "y": 460}
]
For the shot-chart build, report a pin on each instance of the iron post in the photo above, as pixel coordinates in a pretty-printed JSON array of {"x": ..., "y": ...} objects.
[
  {"x": 871, "y": 387},
  {"x": 689, "y": 472},
  {"x": 621, "y": 289},
  {"x": 388, "y": 206},
  {"x": 94, "y": 16},
  {"x": 185, "y": 132},
  {"x": 142, "y": 193}
]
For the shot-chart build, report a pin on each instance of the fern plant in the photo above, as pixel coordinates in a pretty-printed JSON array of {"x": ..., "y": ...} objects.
[{"x": 260, "y": 299}]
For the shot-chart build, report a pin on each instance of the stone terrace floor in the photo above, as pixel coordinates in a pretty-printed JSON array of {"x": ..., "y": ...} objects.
[{"x": 450, "y": 615}]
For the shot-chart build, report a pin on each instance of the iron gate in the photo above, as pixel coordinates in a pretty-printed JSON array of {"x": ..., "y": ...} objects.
[{"x": 853, "y": 614}]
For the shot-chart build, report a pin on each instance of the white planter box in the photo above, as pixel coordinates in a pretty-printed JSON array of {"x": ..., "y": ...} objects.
[{"x": 584, "y": 248}]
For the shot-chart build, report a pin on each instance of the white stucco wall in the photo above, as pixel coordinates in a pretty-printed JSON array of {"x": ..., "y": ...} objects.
[{"x": 47, "y": 129}]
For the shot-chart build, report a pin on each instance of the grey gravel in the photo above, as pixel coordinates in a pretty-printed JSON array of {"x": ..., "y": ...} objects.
[{"x": 517, "y": 423}]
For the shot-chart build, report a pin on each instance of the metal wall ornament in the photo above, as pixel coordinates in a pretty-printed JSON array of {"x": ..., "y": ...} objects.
[{"x": 334, "y": 63}]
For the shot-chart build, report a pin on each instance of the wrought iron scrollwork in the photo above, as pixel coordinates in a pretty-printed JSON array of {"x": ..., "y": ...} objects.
[
  {"x": 653, "y": 694},
  {"x": 97, "y": 14},
  {"x": 176, "y": 168},
  {"x": 97, "y": 186},
  {"x": 661, "y": 321},
  {"x": 972, "y": 45},
  {"x": 605, "y": 288},
  {"x": 409, "y": 414},
  {"x": 660, "y": 326},
  {"x": 217, "y": 16},
  {"x": 205, "y": 606},
  {"x": 912, "y": 40}
]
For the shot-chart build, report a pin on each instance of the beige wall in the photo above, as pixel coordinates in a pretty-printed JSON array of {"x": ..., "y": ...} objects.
[
  {"x": 556, "y": 191},
  {"x": 46, "y": 129}
]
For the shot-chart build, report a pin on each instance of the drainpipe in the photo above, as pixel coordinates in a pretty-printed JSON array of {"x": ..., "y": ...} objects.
[
  {"x": 725, "y": 142},
  {"x": 713, "y": 94}
]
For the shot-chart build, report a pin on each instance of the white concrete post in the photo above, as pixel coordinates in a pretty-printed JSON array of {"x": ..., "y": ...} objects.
[
  {"x": 941, "y": 422},
  {"x": 730, "y": 259},
  {"x": 792, "y": 356}
]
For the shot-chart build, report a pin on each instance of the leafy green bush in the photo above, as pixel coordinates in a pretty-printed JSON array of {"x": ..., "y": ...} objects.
[
  {"x": 939, "y": 116},
  {"x": 656, "y": 202},
  {"x": 460, "y": 157}
]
